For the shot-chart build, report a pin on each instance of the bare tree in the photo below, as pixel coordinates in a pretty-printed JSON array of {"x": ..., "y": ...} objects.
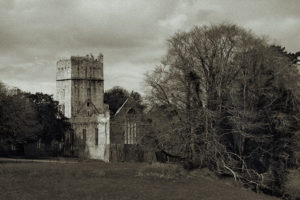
[{"x": 223, "y": 91}]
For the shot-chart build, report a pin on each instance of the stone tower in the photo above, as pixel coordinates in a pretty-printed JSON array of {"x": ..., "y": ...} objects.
[{"x": 80, "y": 92}]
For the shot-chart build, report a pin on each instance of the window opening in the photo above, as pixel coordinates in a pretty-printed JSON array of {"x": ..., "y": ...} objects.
[{"x": 96, "y": 136}]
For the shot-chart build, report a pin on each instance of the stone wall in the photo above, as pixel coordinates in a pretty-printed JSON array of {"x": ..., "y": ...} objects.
[
  {"x": 63, "y": 96},
  {"x": 130, "y": 153},
  {"x": 119, "y": 150},
  {"x": 87, "y": 67},
  {"x": 120, "y": 120},
  {"x": 63, "y": 69},
  {"x": 77, "y": 80},
  {"x": 84, "y": 90},
  {"x": 93, "y": 149}
]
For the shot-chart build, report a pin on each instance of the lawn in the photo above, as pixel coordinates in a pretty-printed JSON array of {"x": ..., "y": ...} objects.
[{"x": 97, "y": 180}]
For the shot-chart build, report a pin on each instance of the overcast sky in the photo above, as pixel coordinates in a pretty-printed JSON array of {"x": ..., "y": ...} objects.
[{"x": 131, "y": 34}]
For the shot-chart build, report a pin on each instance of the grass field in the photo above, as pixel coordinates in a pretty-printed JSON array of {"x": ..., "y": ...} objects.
[
  {"x": 293, "y": 184},
  {"x": 97, "y": 180}
]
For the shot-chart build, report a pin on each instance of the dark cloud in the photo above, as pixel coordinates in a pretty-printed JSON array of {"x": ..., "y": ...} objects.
[{"x": 131, "y": 34}]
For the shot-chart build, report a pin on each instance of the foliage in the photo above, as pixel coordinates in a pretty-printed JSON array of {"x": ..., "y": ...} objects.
[
  {"x": 53, "y": 122},
  {"x": 18, "y": 119},
  {"x": 229, "y": 101},
  {"x": 116, "y": 96},
  {"x": 26, "y": 118},
  {"x": 282, "y": 50}
]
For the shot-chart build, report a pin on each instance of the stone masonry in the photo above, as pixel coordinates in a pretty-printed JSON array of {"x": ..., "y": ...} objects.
[{"x": 80, "y": 92}]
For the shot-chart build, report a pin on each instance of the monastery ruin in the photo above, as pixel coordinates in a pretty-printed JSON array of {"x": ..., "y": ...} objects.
[{"x": 80, "y": 92}]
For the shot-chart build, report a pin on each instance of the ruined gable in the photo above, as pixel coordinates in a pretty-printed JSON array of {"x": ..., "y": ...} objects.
[{"x": 126, "y": 123}]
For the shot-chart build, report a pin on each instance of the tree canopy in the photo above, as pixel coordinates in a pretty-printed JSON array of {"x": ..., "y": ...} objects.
[
  {"x": 116, "y": 96},
  {"x": 27, "y": 118},
  {"x": 51, "y": 119},
  {"x": 230, "y": 101},
  {"x": 18, "y": 119}
]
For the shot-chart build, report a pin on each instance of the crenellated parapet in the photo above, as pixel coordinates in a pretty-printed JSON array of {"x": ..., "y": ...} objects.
[
  {"x": 80, "y": 67},
  {"x": 63, "y": 69}
]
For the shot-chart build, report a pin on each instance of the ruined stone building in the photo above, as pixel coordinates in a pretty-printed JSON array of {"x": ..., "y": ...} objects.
[
  {"x": 80, "y": 92},
  {"x": 126, "y": 123},
  {"x": 129, "y": 128}
]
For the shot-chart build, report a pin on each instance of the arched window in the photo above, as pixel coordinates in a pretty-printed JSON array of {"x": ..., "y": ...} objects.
[{"x": 130, "y": 136}]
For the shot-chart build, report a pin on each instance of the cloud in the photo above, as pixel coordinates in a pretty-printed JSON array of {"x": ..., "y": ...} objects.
[{"x": 130, "y": 33}]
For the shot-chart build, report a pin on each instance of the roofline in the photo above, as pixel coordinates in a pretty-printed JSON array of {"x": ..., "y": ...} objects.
[{"x": 121, "y": 107}]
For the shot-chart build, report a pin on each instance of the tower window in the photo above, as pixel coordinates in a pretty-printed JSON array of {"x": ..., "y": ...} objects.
[
  {"x": 96, "y": 136},
  {"x": 89, "y": 92},
  {"x": 83, "y": 136},
  {"x": 88, "y": 104}
]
